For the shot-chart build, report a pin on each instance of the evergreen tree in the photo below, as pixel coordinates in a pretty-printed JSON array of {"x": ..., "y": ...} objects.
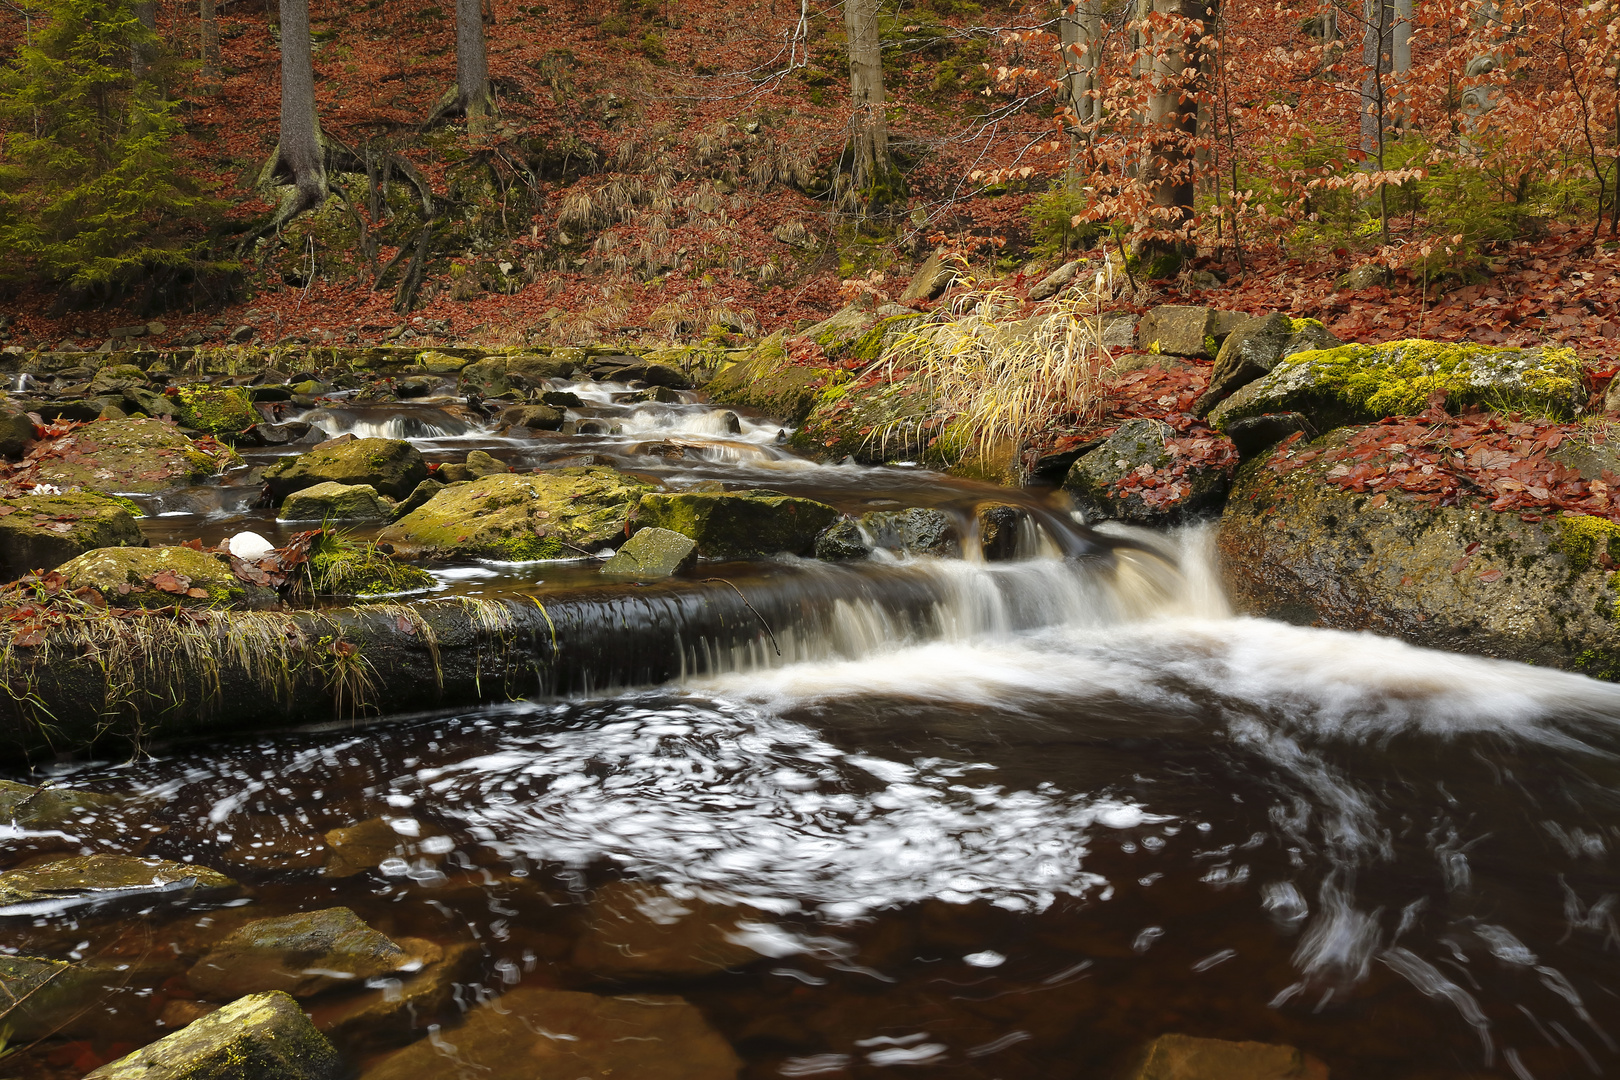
[{"x": 92, "y": 195}]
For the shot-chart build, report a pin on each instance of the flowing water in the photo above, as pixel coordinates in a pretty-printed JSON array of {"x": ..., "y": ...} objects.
[{"x": 947, "y": 818}]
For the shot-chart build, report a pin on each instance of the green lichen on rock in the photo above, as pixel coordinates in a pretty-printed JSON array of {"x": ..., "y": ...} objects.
[
  {"x": 392, "y": 466},
  {"x": 652, "y": 553},
  {"x": 88, "y": 877},
  {"x": 185, "y": 571},
  {"x": 339, "y": 566},
  {"x": 41, "y": 532},
  {"x": 334, "y": 502},
  {"x": 1582, "y": 537},
  {"x": 518, "y": 517},
  {"x": 300, "y": 954},
  {"x": 215, "y": 410},
  {"x": 1094, "y": 481},
  {"x": 140, "y": 456},
  {"x": 768, "y": 381},
  {"x": 1359, "y": 383},
  {"x": 258, "y": 1037},
  {"x": 874, "y": 423},
  {"x": 738, "y": 524}
]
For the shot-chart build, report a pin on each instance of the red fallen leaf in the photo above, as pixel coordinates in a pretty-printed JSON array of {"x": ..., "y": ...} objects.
[
  {"x": 30, "y": 639},
  {"x": 124, "y": 588},
  {"x": 404, "y": 625},
  {"x": 1460, "y": 565},
  {"x": 197, "y": 594},
  {"x": 1490, "y": 576},
  {"x": 170, "y": 582},
  {"x": 194, "y": 545}
]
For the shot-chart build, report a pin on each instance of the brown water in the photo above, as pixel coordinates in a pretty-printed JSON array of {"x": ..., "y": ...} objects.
[{"x": 999, "y": 820}]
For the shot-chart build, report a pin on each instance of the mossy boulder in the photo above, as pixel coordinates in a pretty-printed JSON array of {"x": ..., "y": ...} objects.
[
  {"x": 31, "y": 807},
  {"x": 738, "y": 525},
  {"x": 16, "y": 430},
  {"x": 300, "y": 954},
  {"x": 215, "y": 410},
  {"x": 47, "y": 998},
  {"x": 535, "y": 368},
  {"x": 41, "y": 532},
  {"x": 137, "y": 456},
  {"x": 535, "y": 417},
  {"x": 391, "y": 466},
  {"x": 874, "y": 423},
  {"x": 334, "y": 502},
  {"x": 1299, "y": 548},
  {"x": 553, "y": 514},
  {"x": 162, "y": 577},
  {"x": 768, "y": 381},
  {"x": 88, "y": 878},
  {"x": 486, "y": 376},
  {"x": 1355, "y": 384},
  {"x": 652, "y": 553},
  {"x": 344, "y": 568},
  {"x": 1253, "y": 349},
  {"x": 440, "y": 363},
  {"x": 1109, "y": 481},
  {"x": 258, "y": 1037}
]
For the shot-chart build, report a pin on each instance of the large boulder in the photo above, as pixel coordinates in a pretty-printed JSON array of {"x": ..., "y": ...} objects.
[
  {"x": 334, "y": 502},
  {"x": 395, "y": 1009},
  {"x": 392, "y": 466},
  {"x": 303, "y": 955},
  {"x": 530, "y": 1033},
  {"x": 259, "y": 1037},
  {"x": 1359, "y": 383},
  {"x": 1254, "y": 348},
  {"x": 16, "y": 430},
  {"x": 1298, "y": 547},
  {"x": 139, "y": 456},
  {"x": 215, "y": 410},
  {"x": 41, "y": 532},
  {"x": 1186, "y": 330},
  {"x": 1183, "y": 1057},
  {"x": 652, "y": 553},
  {"x": 1142, "y": 476},
  {"x": 520, "y": 516},
  {"x": 486, "y": 377},
  {"x": 740, "y": 524},
  {"x": 769, "y": 381},
  {"x": 84, "y": 879},
  {"x": 162, "y": 577}
]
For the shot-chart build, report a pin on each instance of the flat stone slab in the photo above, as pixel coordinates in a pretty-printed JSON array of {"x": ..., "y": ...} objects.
[{"x": 85, "y": 879}]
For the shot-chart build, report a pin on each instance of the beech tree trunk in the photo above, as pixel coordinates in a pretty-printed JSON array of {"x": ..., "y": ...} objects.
[
  {"x": 1080, "y": 37},
  {"x": 1173, "y": 112},
  {"x": 873, "y": 169},
  {"x": 210, "y": 40},
  {"x": 472, "y": 67},
  {"x": 1377, "y": 57},
  {"x": 299, "y": 158}
]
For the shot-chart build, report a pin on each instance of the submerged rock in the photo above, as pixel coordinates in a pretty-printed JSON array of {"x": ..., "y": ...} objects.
[
  {"x": 917, "y": 531},
  {"x": 392, "y": 466},
  {"x": 1298, "y": 548},
  {"x": 303, "y": 955},
  {"x": 163, "y": 577},
  {"x": 89, "y": 878},
  {"x": 1096, "y": 480},
  {"x": 395, "y": 1009},
  {"x": 635, "y": 930},
  {"x": 1182, "y": 1057},
  {"x": 30, "y": 807},
  {"x": 519, "y": 516},
  {"x": 652, "y": 553},
  {"x": 360, "y": 847},
  {"x": 1361, "y": 383},
  {"x": 258, "y": 1037},
  {"x": 334, "y": 502},
  {"x": 738, "y": 525},
  {"x": 142, "y": 456},
  {"x": 41, "y": 532},
  {"x": 1253, "y": 350},
  {"x": 531, "y": 1033}
]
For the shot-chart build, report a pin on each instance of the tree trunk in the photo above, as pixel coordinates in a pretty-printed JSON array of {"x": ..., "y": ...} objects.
[
  {"x": 1080, "y": 35},
  {"x": 144, "y": 53},
  {"x": 1173, "y": 117},
  {"x": 1376, "y": 49},
  {"x": 210, "y": 41},
  {"x": 472, "y": 67},
  {"x": 299, "y": 158},
  {"x": 874, "y": 174}
]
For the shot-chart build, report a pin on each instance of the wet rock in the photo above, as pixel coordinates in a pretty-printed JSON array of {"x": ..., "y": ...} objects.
[
  {"x": 535, "y": 417},
  {"x": 334, "y": 502},
  {"x": 178, "y": 1012},
  {"x": 402, "y": 1005},
  {"x": 479, "y": 463},
  {"x": 521, "y": 516},
  {"x": 1182, "y": 1057},
  {"x": 933, "y": 277},
  {"x": 731, "y": 422},
  {"x": 916, "y": 531},
  {"x": 1179, "y": 330},
  {"x": 1000, "y": 525},
  {"x": 361, "y": 847},
  {"x": 634, "y": 369},
  {"x": 30, "y": 807},
  {"x": 1254, "y": 348},
  {"x": 842, "y": 541},
  {"x": 142, "y": 456},
  {"x": 162, "y": 577},
  {"x": 536, "y": 368},
  {"x": 41, "y": 532},
  {"x": 1055, "y": 282},
  {"x": 419, "y": 496},
  {"x": 486, "y": 377},
  {"x": 303, "y": 955},
  {"x": 1297, "y": 548},
  {"x": 258, "y": 1037},
  {"x": 392, "y": 466},
  {"x": 439, "y": 363},
  {"x": 874, "y": 424},
  {"x": 662, "y": 395},
  {"x": 561, "y": 399},
  {"x": 1252, "y": 434},
  {"x": 1360, "y": 383},
  {"x": 652, "y": 553},
  {"x": 738, "y": 525},
  {"x": 361, "y": 570},
  {"x": 92, "y": 878},
  {"x": 271, "y": 843},
  {"x": 453, "y": 472},
  {"x": 1139, "y": 445},
  {"x": 16, "y": 430},
  {"x": 767, "y": 381},
  {"x": 214, "y": 410},
  {"x": 283, "y": 434},
  {"x": 533, "y": 1032},
  {"x": 634, "y": 930}
]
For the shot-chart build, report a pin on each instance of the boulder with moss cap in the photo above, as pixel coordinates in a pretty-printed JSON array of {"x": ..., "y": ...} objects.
[
  {"x": 765, "y": 379},
  {"x": 215, "y": 410},
  {"x": 91, "y": 878},
  {"x": 163, "y": 577},
  {"x": 738, "y": 524},
  {"x": 258, "y": 1037},
  {"x": 334, "y": 502},
  {"x": 140, "y": 456},
  {"x": 1355, "y": 384},
  {"x": 392, "y": 466},
  {"x": 553, "y": 514},
  {"x": 1254, "y": 348},
  {"x": 41, "y": 532}
]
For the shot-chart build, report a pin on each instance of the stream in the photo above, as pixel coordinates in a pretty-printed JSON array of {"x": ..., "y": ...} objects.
[{"x": 947, "y": 818}]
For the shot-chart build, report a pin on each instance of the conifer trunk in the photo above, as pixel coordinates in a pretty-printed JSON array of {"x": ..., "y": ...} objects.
[
  {"x": 873, "y": 169},
  {"x": 144, "y": 53},
  {"x": 210, "y": 40},
  {"x": 472, "y": 66},
  {"x": 299, "y": 158}
]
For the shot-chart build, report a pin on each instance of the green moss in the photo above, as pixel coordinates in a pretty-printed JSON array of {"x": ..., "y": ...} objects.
[
  {"x": 214, "y": 410},
  {"x": 1302, "y": 325},
  {"x": 1598, "y": 664},
  {"x": 339, "y": 566},
  {"x": 1580, "y": 536}
]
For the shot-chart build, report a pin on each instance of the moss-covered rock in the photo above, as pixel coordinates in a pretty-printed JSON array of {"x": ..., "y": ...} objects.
[
  {"x": 259, "y": 1037},
  {"x": 1359, "y": 383},
  {"x": 339, "y": 567},
  {"x": 88, "y": 878},
  {"x": 215, "y": 410},
  {"x": 334, "y": 502},
  {"x": 873, "y": 423},
  {"x": 487, "y": 377},
  {"x": 300, "y": 954},
  {"x": 16, "y": 430},
  {"x": 740, "y": 524},
  {"x": 392, "y": 466},
  {"x": 1096, "y": 480},
  {"x": 440, "y": 363},
  {"x": 163, "y": 577},
  {"x": 520, "y": 516},
  {"x": 140, "y": 456},
  {"x": 768, "y": 381},
  {"x": 41, "y": 532},
  {"x": 1253, "y": 349},
  {"x": 652, "y": 553},
  {"x": 1298, "y": 548},
  {"x": 32, "y": 807}
]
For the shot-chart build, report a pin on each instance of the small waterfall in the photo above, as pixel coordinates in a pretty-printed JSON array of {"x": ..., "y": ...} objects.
[{"x": 389, "y": 424}]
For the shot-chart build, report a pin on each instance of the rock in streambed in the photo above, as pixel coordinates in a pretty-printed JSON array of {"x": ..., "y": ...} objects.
[{"x": 258, "y": 1037}]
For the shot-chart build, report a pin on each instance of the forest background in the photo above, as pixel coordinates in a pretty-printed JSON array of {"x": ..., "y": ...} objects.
[{"x": 639, "y": 170}]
